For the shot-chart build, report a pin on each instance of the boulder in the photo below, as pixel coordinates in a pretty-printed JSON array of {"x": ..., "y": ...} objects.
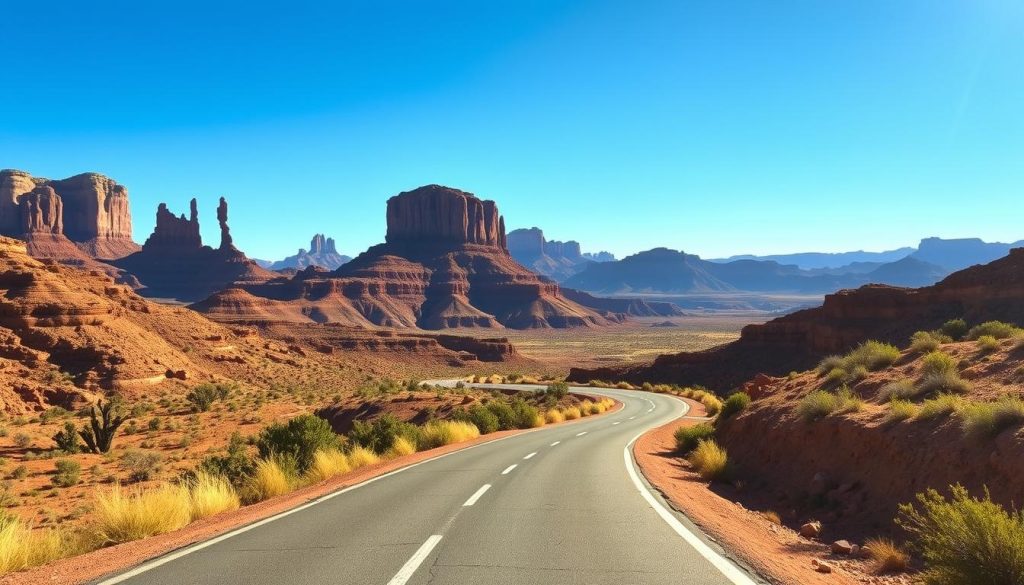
[
  {"x": 811, "y": 530},
  {"x": 842, "y": 547}
]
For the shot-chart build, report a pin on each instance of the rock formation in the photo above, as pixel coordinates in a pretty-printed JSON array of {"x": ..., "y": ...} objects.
[
  {"x": 174, "y": 263},
  {"x": 322, "y": 252},
  {"x": 556, "y": 260},
  {"x": 445, "y": 264},
  {"x": 797, "y": 341},
  {"x": 75, "y": 218}
]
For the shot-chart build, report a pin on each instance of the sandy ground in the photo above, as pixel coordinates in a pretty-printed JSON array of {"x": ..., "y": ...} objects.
[
  {"x": 775, "y": 552},
  {"x": 96, "y": 564}
]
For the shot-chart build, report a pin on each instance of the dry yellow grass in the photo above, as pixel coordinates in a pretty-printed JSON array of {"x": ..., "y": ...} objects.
[
  {"x": 553, "y": 416},
  {"x": 887, "y": 557},
  {"x": 21, "y": 547},
  {"x": 123, "y": 515},
  {"x": 571, "y": 413},
  {"x": 709, "y": 460},
  {"x": 445, "y": 432},
  {"x": 211, "y": 494},
  {"x": 585, "y": 408},
  {"x": 361, "y": 457},
  {"x": 772, "y": 516},
  {"x": 401, "y": 447},
  {"x": 269, "y": 480},
  {"x": 327, "y": 464}
]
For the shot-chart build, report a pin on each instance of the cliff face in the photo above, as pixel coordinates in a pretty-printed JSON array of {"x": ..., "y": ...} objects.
[
  {"x": 445, "y": 264},
  {"x": 89, "y": 212},
  {"x": 435, "y": 214},
  {"x": 556, "y": 260},
  {"x": 174, "y": 263},
  {"x": 797, "y": 341}
]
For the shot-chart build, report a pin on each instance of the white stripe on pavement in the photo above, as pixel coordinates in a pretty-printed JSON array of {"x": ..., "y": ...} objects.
[
  {"x": 509, "y": 468},
  {"x": 410, "y": 566},
  {"x": 472, "y": 499},
  {"x": 530, "y": 455}
]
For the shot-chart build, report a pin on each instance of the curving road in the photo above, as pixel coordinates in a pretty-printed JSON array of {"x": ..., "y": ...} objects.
[{"x": 561, "y": 504}]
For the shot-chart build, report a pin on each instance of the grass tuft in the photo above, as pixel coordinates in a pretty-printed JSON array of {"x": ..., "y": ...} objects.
[
  {"x": 900, "y": 410},
  {"x": 821, "y": 403},
  {"x": 571, "y": 413},
  {"x": 270, "y": 479},
  {"x": 445, "y": 432},
  {"x": 328, "y": 463},
  {"x": 709, "y": 460},
  {"x": 401, "y": 447},
  {"x": 22, "y": 547},
  {"x": 988, "y": 419},
  {"x": 996, "y": 329},
  {"x": 987, "y": 344},
  {"x": 211, "y": 494},
  {"x": 687, "y": 438},
  {"x": 361, "y": 457},
  {"x": 553, "y": 416},
  {"x": 124, "y": 515},
  {"x": 886, "y": 556},
  {"x": 941, "y": 406}
]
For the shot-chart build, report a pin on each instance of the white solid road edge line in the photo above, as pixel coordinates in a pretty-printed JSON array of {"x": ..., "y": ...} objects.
[
  {"x": 472, "y": 499},
  {"x": 509, "y": 468},
  {"x": 724, "y": 565},
  {"x": 410, "y": 566}
]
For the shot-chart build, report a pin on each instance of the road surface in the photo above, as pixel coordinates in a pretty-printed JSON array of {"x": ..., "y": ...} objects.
[{"x": 558, "y": 505}]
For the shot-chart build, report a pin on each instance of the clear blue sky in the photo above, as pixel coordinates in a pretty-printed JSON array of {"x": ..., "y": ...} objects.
[{"x": 717, "y": 127}]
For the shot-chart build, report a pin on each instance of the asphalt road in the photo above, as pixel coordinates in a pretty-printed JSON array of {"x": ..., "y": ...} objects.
[{"x": 560, "y": 505}]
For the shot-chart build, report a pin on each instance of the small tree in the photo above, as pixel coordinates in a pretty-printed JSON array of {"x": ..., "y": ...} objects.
[
  {"x": 104, "y": 420},
  {"x": 299, "y": 438},
  {"x": 67, "y": 439},
  {"x": 557, "y": 389},
  {"x": 203, "y": 396}
]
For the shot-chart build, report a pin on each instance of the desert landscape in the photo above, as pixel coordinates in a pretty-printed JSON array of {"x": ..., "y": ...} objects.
[{"x": 512, "y": 293}]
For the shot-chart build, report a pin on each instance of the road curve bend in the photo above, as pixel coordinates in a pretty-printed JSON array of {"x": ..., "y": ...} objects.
[{"x": 556, "y": 505}]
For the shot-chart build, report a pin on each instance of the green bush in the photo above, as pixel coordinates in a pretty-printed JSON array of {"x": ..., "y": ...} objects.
[
  {"x": 140, "y": 465},
  {"x": 236, "y": 466},
  {"x": 940, "y": 406},
  {"x": 558, "y": 390},
  {"x": 524, "y": 415},
  {"x": 481, "y": 417},
  {"x": 203, "y": 396},
  {"x": 900, "y": 410},
  {"x": 503, "y": 412},
  {"x": 67, "y": 439},
  {"x": 821, "y": 403},
  {"x": 988, "y": 419},
  {"x": 965, "y": 540},
  {"x": 902, "y": 389},
  {"x": 926, "y": 341},
  {"x": 379, "y": 436},
  {"x": 938, "y": 362},
  {"x": 688, "y": 437},
  {"x": 734, "y": 404},
  {"x": 954, "y": 328},
  {"x": 987, "y": 344},
  {"x": 948, "y": 382},
  {"x": 68, "y": 473},
  {"x": 829, "y": 364},
  {"x": 299, "y": 438},
  {"x": 996, "y": 329},
  {"x": 873, "y": 355}
]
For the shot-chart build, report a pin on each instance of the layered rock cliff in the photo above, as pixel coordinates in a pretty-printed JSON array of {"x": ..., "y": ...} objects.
[
  {"x": 797, "y": 341},
  {"x": 174, "y": 263},
  {"x": 554, "y": 259},
  {"x": 58, "y": 218},
  {"x": 445, "y": 264}
]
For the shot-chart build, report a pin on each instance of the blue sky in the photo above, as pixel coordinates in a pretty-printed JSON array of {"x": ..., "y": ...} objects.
[{"x": 717, "y": 127}]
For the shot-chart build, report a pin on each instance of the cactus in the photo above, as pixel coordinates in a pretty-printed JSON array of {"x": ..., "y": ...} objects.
[{"x": 105, "y": 418}]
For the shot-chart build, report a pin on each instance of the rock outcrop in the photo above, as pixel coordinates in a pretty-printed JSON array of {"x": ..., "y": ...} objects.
[
  {"x": 797, "y": 341},
  {"x": 445, "y": 264},
  {"x": 322, "y": 252},
  {"x": 175, "y": 264},
  {"x": 556, "y": 260},
  {"x": 75, "y": 218}
]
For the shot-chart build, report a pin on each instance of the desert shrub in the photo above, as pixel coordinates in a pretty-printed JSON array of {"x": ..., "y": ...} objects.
[
  {"x": 943, "y": 382},
  {"x": 140, "y": 465},
  {"x": 585, "y": 407},
  {"x": 688, "y": 437},
  {"x": 772, "y": 516},
  {"x": 21, "y": 547},
  {"x": 965, "y": 540},
  {"x": 734, "y": 404},
  {"x": 327, "y": 464},
  {"x": 954, "y": 328},
  {"x": 553, "y": 416},
  {"x": 202, "y": 397},
  {"x": 502, "y": 410},
  {"x": 835, "y": 377},
  {"x": 123, "y": 514},
  {"x": 401, "y": 447},
  {"x": 298, "y": 438},
  {"x": 270, "y": 478},
  {"x": 525, "y": 415},
  {"x": 380, "y": 435},
  {"x": 23, "y": 440},
  {"x": 571, "y": 413},
  {"x": 20, "y": 472},
  {"x": 886, "y": 556},
  {"x": 709, "y": 460},
  {"x": 830, "y": 363},
  {"x": 67, "y": 439},
  {"x": 924, "y": 342},
  {"x": 236, "y": 466},
  {"x": 937, "y": 362},
  {"x": 711, "y": 403},
  {"x": 821, "y": 403},
  {"x": 900, "y": 409},
  {"x": 987, "y": 344},
  {"x": 624, "y": 386},
  {"x": 484, "y": 419},
  {"x": 898, "y": 390},
  {"x": 996, "y": 329},
  {"x": 988, "y": 419},
  {"x": 69, "y": 473},
  {"x": 940, "y": 406},
  {"x": 361, "y": 457},
  {"x": 873, "y": 355},
  {"x": 211, "y": 494},
  {"x": 445, "y": 432},
  {"x": 558, "y": 390}
]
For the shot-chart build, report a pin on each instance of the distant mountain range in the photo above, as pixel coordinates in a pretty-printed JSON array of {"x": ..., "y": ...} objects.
[
  {"x": 551, "y": 258},
  {"x": 664, "y": 271},
  {"x": 322, "y": 252}
]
